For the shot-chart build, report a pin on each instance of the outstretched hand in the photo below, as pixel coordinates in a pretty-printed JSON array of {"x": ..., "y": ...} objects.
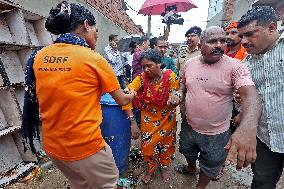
[
  {"x": 242, "y": 147},
  {"x": 174, "y": 100},
  {"x": 130, "y": 91}
]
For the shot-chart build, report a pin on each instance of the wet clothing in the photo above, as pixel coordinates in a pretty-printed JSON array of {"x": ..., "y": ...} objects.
[
  {"x": 210, "y": 92},
  {"x": 114, "y": 59},
  {"x": 169, "y": 63},
  {"x": 211, "y": 148},
  {"x": 240, "y": 54},
  {"x": 268, "y": 74},
  {"x": 158, "y": 120}
]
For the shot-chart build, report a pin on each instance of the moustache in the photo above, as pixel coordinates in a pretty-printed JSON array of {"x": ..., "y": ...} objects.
[{"x": 217, "y": 51}]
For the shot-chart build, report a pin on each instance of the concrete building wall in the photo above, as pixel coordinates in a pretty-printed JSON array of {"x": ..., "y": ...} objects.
[
  {"x": 215, "y": 13},
  {"x": 217, "y": 20},
  {"x": 234, "y": 9},
  {"x": 21, "y": 29},
  {"x": 240, "y": 8},
  {"x": 104, "y": 24}
]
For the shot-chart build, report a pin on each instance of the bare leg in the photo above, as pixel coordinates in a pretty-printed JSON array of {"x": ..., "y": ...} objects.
[
  {"x": 191, "y": 166},
  {"x": 148, "y": 175},
  {"x": 203, "y": 181},
  {"x": 165, "y": 174}
]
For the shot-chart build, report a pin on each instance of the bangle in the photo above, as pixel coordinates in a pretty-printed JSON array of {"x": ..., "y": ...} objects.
[
  {"x": 131, "y": 118},
  {"x": 176, "y": 93}
]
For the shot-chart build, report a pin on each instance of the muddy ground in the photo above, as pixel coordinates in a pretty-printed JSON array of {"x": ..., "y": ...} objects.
[
  {"x": 232, "y": 179},
  {"x": 53, "y": 179}
]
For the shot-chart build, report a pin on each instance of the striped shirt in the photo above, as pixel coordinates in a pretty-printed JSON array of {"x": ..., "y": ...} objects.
[
  {"x": 268, "y": 75},
  {"x": 114, "y": 59}
]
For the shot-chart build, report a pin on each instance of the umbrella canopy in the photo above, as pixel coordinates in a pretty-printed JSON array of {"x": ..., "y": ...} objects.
[{"x": 157, "y": 7}]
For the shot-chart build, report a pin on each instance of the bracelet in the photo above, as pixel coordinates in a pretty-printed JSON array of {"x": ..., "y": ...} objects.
[
  {"x": 126, "y": 91},
  {"x": 131, "y": 118},
  {"x": 176, "y": 93}
]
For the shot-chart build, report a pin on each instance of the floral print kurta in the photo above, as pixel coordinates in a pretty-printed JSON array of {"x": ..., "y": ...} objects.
[{"x": 158, "y": 124}]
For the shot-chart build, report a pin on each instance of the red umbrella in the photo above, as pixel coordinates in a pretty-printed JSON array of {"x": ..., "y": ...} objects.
[{"x": 157, "y": 7}]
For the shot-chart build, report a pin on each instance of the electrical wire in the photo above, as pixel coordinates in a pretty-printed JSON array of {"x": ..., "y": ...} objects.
[{"x": 130, "y": 7}]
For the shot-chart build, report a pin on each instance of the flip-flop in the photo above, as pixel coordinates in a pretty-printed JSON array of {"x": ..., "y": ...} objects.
[{"x": 182, "y": 169}]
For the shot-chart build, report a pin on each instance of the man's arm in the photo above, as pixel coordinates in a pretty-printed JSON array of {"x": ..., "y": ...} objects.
[
  {"x": 121, "y": 98},
  {"x": 242, "y": 144}
]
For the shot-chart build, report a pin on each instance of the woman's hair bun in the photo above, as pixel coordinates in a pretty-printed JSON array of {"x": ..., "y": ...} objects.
[{"x": 59, "y": 19}]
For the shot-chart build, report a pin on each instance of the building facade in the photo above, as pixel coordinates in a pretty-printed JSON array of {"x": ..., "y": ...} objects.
[
  {"x": 221, "y": 12},
  {"x": 21, "y": 30}
]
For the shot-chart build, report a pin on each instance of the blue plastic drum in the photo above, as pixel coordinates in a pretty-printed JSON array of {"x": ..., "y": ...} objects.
[{"x": 116, "y": 131}]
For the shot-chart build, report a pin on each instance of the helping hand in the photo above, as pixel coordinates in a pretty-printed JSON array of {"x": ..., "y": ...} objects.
[{"x": 174, "y": 100}]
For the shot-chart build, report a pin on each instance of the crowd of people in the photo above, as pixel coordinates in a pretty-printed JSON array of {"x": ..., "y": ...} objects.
[{"x": 236, "y": 70}]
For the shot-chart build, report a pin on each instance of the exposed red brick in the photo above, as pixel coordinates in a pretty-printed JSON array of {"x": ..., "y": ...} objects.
[
  {"x": 113, "y": 10},
  {"x": 229, "y": 6}
]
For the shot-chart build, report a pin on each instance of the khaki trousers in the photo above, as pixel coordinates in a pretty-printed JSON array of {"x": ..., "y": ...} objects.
[{"x": 95, "y": 172}]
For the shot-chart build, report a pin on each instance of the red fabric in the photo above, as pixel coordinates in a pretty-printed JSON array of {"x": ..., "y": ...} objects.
[
  {"x": 158, "y": 97},
  {"x": 232, "y": 25},
  {"x": 240, "y": 54},
  {"x": 232, "y": 55}
]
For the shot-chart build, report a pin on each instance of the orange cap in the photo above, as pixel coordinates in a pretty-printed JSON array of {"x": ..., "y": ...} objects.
[{"x": 230, "y": 26}]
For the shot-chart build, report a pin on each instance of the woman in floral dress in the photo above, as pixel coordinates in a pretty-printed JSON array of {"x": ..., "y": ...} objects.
[{"x": 157, "y": 97}]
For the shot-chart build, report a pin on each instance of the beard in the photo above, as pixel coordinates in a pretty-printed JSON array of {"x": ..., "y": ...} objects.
[{"x": 232, "y": 43}]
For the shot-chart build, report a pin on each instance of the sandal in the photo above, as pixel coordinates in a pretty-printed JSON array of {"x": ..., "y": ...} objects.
[
  {"x": 165, "y": 174},
  {"x": 182, "y": 169}
]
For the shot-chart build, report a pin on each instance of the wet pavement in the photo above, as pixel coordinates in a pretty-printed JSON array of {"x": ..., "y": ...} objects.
[{"x": 232, "y": 179}]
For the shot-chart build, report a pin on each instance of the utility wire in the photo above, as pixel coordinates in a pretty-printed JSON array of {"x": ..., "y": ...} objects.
[{"x": 130, "y": 7}]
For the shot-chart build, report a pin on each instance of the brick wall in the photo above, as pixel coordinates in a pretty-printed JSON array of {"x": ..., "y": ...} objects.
[
  {"x": 113, "y": 10},
  {"x": 229, "y": 6}
]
